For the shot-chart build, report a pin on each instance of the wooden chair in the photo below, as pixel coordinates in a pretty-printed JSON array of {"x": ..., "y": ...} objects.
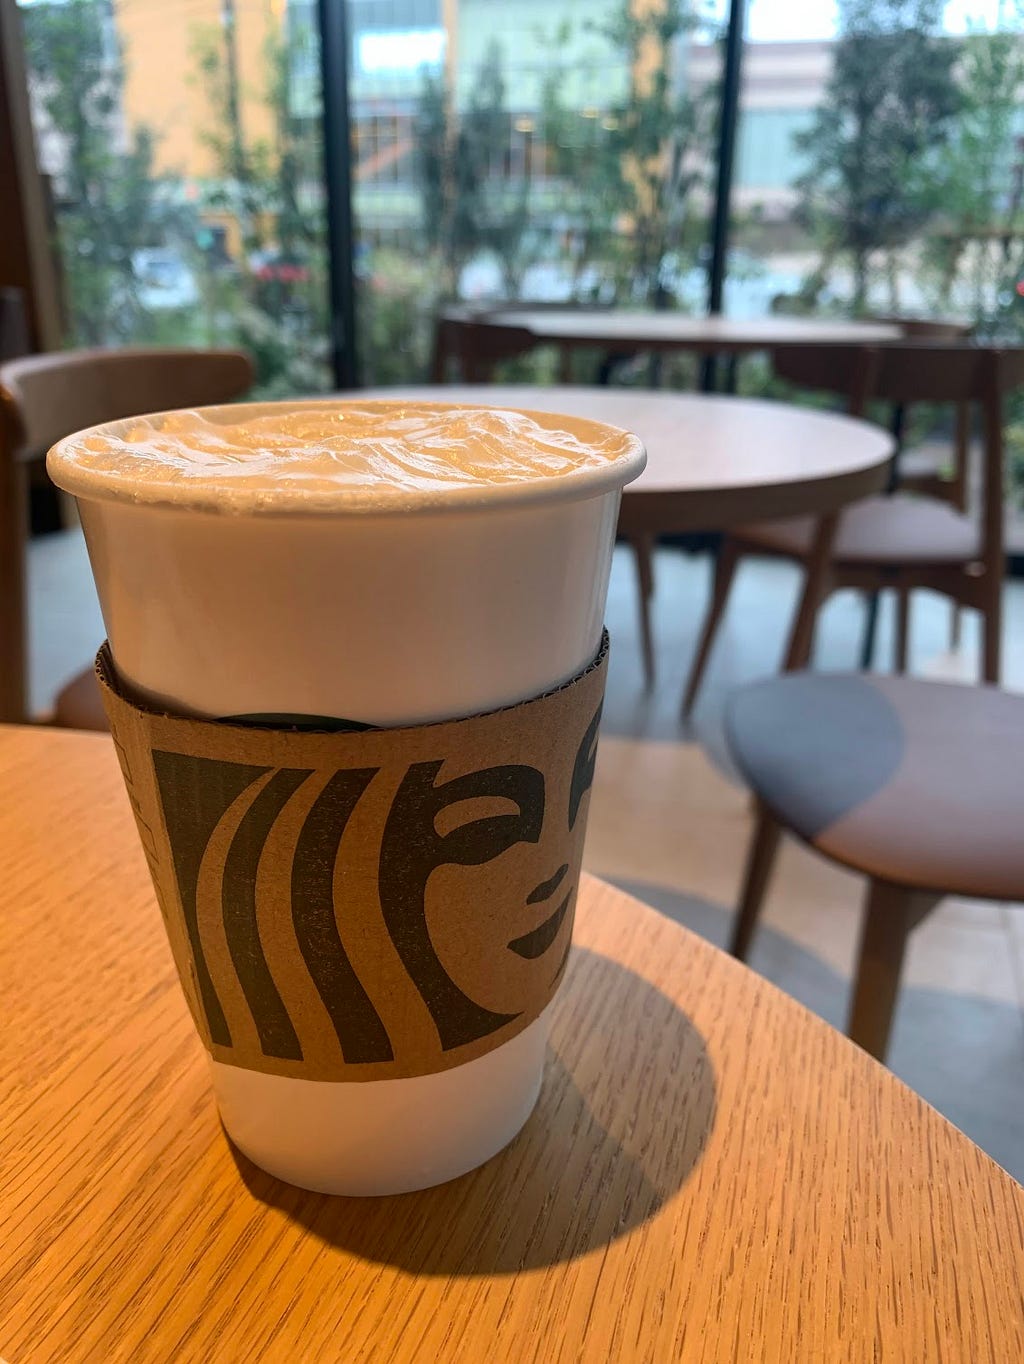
[
  {"x": 848, "y": 372},
  {"x": 916, "y": 785},
  {"x": 927, "y": 471},
  {"x": 465, "y": 338},
  {"x": 475, "y": 346},
  {"x": 46, "y": 397},
  {"x": 918, "y": 471},
  {"x": 14, "y": 338},
  {"x": 462, "y": 336},
  {"x": 899, "y": 542}
]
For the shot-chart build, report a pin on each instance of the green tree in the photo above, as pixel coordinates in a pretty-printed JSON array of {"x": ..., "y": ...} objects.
[
  {"x": 469, "y": 203},
  {"x": 978, "y": 181},
  {"x": 245, "y": 181},
  {"x": 496, "y": 204},
  {"x": 584, "y": 163},
  {"x": 433, "y": 131},
  {"x": 109, "y": 203},
  {"x": 633, "y": 170},
  {"x": 887, "y": 115},
  {"x": 272, "y": 188}
]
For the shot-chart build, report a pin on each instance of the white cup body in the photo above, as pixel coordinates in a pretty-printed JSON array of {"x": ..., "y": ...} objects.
[{"x": 384, "y": 619}]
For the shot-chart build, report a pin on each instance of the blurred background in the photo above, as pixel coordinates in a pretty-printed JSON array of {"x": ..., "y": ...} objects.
[
  {"x": 508, "y": 152},
  {"x": 518, "y": 152}
]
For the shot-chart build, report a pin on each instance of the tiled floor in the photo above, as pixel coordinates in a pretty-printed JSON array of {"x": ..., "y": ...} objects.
[{"x": 670, "y": 822}]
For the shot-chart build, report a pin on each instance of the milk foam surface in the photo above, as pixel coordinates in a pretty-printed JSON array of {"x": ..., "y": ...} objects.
[{"x": 275, "y": 457}]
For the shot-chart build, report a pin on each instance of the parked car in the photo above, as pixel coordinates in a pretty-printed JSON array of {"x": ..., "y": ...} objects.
[{"x": 164, "y": 279}]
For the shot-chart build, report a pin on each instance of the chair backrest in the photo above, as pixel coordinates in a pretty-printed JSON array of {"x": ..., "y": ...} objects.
[
  {"x": 952, "y": 487},
  {"x": 50, "y": 396},
  {"x": 1002, "y": 373},
  {"x": 963, "y": 374},
  {"x": 845, "y": 372},
  {"x": 929, "y": 372},
  {"x": 46, "y": 397},
  {"x": 14, "y": 338},
  {"x": 476, "y": 346}
]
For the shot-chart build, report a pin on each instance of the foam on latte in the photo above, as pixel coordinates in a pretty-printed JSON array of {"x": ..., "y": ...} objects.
[{"x": 367, "y": 454}]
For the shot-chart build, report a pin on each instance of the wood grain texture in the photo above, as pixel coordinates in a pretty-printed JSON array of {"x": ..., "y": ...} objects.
[
  {"x": 712, "y": 462},
  {"x": 712, "y": 1173}
]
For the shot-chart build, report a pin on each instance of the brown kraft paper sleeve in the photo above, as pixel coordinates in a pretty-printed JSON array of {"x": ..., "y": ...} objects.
[{"x": 364, "y": 905}]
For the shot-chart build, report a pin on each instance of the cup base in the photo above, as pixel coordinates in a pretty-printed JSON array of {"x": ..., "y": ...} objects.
[{"x": 386, "y": 1136}]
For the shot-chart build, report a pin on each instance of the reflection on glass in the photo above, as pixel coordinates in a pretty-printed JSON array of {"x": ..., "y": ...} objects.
[{"x": 181, "y": 140}]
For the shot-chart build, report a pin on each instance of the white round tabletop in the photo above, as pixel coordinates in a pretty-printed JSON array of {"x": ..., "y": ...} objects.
[
  {"x": 679, "y": 331},
  {"x": 712, "y": 462}
]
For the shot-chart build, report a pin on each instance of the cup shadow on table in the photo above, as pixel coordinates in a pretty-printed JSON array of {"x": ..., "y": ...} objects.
[{"x": 627, "y": 1104}]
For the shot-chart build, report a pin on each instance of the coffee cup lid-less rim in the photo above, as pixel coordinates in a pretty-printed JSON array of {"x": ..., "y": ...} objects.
[{"x": 90, "y": 482}]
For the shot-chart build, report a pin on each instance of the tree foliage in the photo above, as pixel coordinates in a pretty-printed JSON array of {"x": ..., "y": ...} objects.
[
  {"x": 469, "y": 203},
  {"x": 109, "y": 202},
  {"x": 272, "y": 188},
  {"x": 976, "y": 238},
  {"x": 633, "y": 170},
  {"x": 875, "y": 142},
  {"x": 628, "y": 173}
]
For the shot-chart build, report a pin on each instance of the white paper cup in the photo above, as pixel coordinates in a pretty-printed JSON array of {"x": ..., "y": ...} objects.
[{"x": 432, "y": 609}]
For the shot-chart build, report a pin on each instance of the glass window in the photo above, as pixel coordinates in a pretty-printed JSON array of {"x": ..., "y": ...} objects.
[
  {"x": 552, "y": 151},
  {"x": 182, "y": 144},
  {"x": 880, "y": 159}
]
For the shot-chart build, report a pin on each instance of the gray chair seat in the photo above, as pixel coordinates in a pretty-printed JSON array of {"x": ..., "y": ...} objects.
[
  {"x": 919, "y": 784},
  {"x": 879, "y": 530}
]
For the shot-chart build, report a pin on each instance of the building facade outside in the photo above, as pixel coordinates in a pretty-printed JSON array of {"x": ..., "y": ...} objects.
[
  {"x": 394, "y": 43},
  {"x": 163, "y": 83}
]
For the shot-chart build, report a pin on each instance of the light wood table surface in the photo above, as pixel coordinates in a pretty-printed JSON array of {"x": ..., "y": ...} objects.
[
  {"x": 711, "y": 1174},
  {"x": 573, "y": 328},
  {"x": 712, "y": 461}
]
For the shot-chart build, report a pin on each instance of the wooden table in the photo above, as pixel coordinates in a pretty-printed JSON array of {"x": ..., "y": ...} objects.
[
  {"x": 712, "y": 1173},
  {"x": 712, "y": 461},
  {"x": 616, "y": 328},
  {"x": 715, "y": 462}
]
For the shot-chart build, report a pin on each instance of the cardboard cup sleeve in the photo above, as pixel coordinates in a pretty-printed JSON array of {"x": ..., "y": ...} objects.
[{"x": 356, "y": 904}]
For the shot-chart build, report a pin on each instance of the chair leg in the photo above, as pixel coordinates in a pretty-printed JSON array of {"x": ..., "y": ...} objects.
[
  {"x": 643, "y": 549},
  {"x": 867, "y": 648},
  {"x": 890, "y": 913},
  {"x": 760, "y": 861},
  {"x": 961, "y": 479},
  {"x": 725, "y": 571},
  {"x": 956, "y": 626},
  {"x": 902, "y": 628},
  {"x": 14, "y": 692},
  {"x": 817, "y": 570},
  {"x": 992, "y": 638}
]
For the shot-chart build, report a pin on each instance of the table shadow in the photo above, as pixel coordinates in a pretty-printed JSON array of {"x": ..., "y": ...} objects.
[{"x": 626, "y": 1108}]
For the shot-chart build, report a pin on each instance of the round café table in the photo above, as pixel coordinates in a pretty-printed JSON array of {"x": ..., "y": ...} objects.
[
  {"x": 624, "y": 332},
  {"x": 711, "y": 1174},
  {"x": 714, "y": 462},
  {"x": 613, "y": 327}
]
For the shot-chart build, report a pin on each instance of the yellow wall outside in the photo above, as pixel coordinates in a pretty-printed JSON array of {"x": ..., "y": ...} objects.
[{"x": 163, "y": 89}]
